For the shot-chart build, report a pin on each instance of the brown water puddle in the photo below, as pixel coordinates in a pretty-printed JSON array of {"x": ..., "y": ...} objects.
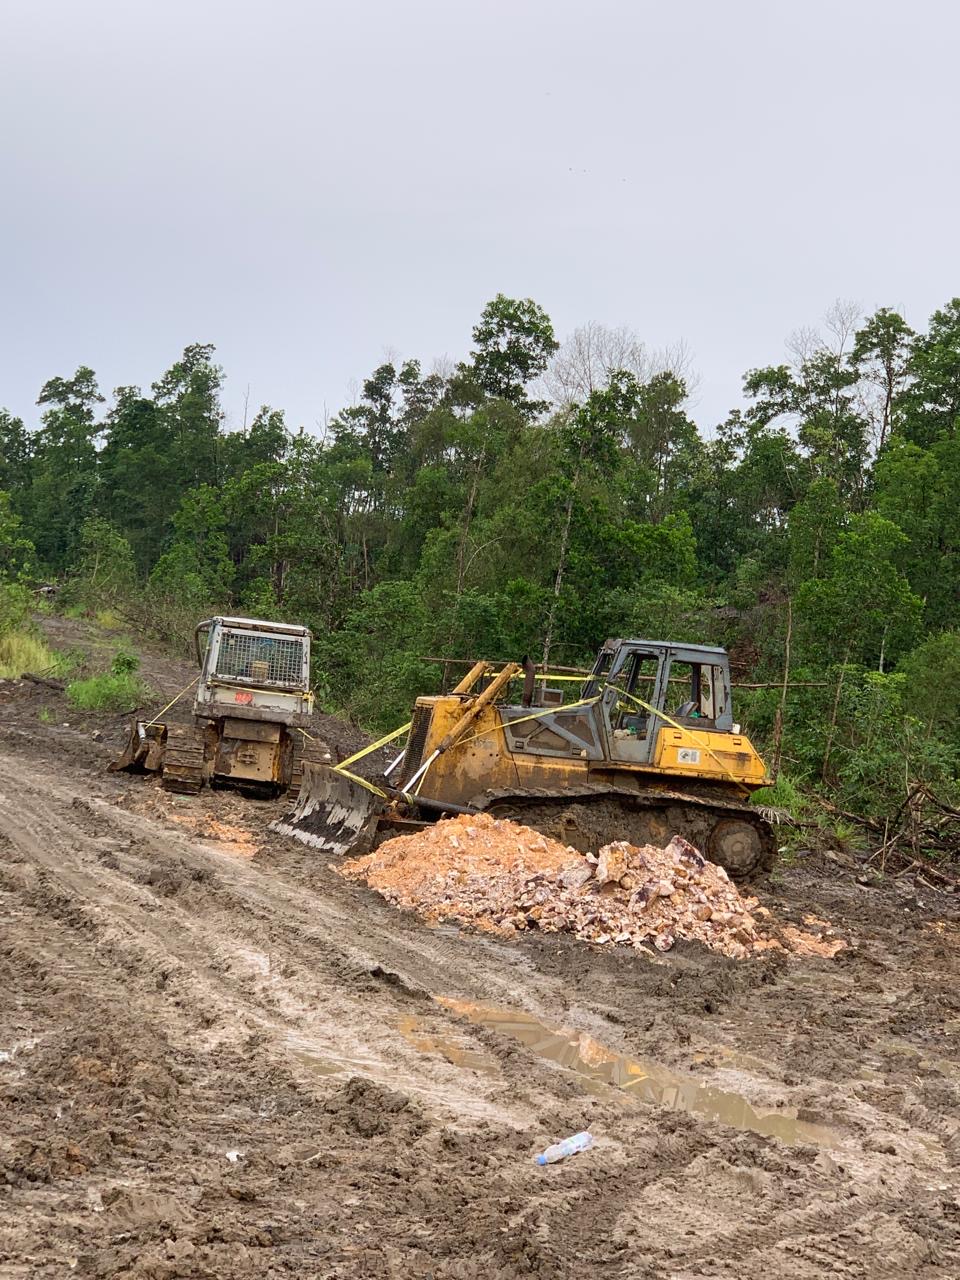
[
  {"x": 597, "y": 1067},
  {"x": 411, "y": 1028},
  {"x": 640, "y": 1078}
]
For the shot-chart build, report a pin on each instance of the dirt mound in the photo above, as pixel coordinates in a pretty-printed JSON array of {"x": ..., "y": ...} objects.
[
  {"x": 363, "y": 1107},
  {"x": 496, "y": 874}
]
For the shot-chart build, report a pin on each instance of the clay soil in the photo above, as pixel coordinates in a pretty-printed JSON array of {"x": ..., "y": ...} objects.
[{"x": 218, "y": 1058}]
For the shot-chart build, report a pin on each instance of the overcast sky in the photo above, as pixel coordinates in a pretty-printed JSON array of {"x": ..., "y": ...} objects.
[{"x": 309, "y": 185}]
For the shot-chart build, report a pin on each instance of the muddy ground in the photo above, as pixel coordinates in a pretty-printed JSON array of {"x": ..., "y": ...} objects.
[{"x": 219, "y": 1059}]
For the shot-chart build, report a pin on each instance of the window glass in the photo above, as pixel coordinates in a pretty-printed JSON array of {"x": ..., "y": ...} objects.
[
  {"x": 695, "y": 692},
  {"x": 637, "y": 682}
]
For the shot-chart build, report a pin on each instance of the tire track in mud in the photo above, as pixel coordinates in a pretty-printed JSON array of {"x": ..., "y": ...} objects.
[
  {"x": 210, "y": 953},
  {"x": 244, "y": 950},
  {"x": 237, "y": 962},
  {"x": 217, "y": 954}
]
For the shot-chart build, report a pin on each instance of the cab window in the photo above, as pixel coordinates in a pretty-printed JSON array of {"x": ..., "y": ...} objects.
[
  {"x": 696, "y": 693},
  {"x": 636, "y": 682}
]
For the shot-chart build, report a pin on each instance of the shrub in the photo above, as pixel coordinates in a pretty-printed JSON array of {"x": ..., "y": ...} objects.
[
  {"x": 22, "y": 651},
  {"x": 124, "y": 663},
  {"x": 112, "y": 691},
  {"x": 15, "y": 602}
]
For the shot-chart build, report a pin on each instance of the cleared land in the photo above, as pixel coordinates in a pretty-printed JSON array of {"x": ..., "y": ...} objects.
[{"x": 219, "y": 1058}]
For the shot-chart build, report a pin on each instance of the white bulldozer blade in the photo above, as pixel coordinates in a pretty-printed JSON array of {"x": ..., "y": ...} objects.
[
  {"x": 332, "y": 813},
  {"x": 144, "y": 749}
]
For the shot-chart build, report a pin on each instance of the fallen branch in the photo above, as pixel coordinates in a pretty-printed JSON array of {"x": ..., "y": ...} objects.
[
  {"x": 858, "y": 818},
  {"x": 925, "y": 868},
  {"x": 56, "y": 685}
]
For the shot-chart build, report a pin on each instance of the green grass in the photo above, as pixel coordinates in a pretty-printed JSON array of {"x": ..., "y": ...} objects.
[
  {"x": 69, "y": 663},
  {"x": 784, "y": 794},
  {"x": 112, "y": 691},
  {"x": 22, "y": 651},
  {"x": 45, "y": 715}
]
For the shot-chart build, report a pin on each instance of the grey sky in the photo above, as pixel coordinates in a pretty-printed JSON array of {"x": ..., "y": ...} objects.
[{"x": 309, "y": 184}]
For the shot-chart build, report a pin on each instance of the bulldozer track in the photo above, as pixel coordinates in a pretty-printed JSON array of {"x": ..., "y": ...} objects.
[
  {"x": 727, "y": 831},
  {"x": 305, "y": 751},
  {"x": 183, "y": 760}
]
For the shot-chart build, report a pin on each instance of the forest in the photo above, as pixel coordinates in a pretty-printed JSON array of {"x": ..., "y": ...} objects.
[{"x": 536, "y": 498}]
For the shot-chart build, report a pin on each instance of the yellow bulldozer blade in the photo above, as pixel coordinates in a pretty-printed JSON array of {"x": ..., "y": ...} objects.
[{"x": 333, "y": 813}]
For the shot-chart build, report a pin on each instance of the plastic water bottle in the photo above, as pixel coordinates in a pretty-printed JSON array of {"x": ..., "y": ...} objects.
[{"x": 568, "y": 1147}]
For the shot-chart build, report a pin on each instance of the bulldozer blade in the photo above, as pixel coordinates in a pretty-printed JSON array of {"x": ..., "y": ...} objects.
[
  {"x": 333, "y": 813},
  {"x": 144, "y": 750}
]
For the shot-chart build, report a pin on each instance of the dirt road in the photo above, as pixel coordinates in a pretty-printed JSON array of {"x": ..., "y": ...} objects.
[{"x": 225, "y": 1065}]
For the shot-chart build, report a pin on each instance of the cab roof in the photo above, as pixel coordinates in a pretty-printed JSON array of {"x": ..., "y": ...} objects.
[
  {"x": 709, "y": 651},
  {"x": 257, "y": 624}
]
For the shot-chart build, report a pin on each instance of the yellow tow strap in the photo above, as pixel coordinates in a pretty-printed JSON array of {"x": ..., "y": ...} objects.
[
  {"x": 374, "y": 746},
  {"x": 355, "y": 777},
  {"x": 173, "y": 700},
  {"x": 346, "y": 773},
  {"x": 537, "y": 715},
  {"x": 550, "y": 676},
  {"x": 358, "y": 755}
]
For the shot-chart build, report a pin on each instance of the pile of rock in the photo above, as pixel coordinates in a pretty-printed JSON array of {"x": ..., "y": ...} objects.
[
  {"x": 498, "y": 875},
  {"x": 637, "y": 896}
]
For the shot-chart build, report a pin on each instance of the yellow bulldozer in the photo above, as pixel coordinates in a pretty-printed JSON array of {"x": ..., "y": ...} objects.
[{"x": 647, "y": 749}]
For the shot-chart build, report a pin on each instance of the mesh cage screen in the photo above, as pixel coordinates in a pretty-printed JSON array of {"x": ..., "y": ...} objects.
[
  {"x": 413, "y": 755},
  {"x": 261, "y": 659}
]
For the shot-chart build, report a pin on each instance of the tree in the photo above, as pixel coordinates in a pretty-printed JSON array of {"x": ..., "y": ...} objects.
[
  {"x": 188, "y": 397},
  {"x": 880, "y": 358},
  {"x": 931, "y": 406},
  {"x": 588, "y": 440},
  {"x": 140, "y": 480},
  {"x": 265, "y": 440},
  {"x": 593, "y": 353},
  {"x": 15, "y": 454},
  {"x": 104, "y": 572},
  {"x": 815, "y": 525},
  {"x": 932, "y": 683},
  {"x": 819, "y": 399},
  {"x": 16, "y": 551},
  {"x": 661, "y": 438},
  {"x": 514, "y": 341},
  {"x": 861, "y": 608},
  {"x": 64, "y": 480},
  {"x": 917, "y": 490},
  {"x": 196, "y": 571}
]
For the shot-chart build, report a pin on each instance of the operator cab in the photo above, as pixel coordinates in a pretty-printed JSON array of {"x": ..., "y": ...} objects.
[
  {"x": 253, "y": 669},
  {"x": 644, "y": 684},
  {"x": 269, "y": 655}
]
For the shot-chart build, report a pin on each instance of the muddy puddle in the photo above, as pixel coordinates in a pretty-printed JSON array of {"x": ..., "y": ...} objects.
[
  {"x": 597, "y": 1067},
  {"x": 411, "y": 1028},
  {"x": 601, "y": 1067}
]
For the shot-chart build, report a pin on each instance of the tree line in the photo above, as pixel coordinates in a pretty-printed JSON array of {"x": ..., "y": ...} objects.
[{"x": 536, "y": 498}]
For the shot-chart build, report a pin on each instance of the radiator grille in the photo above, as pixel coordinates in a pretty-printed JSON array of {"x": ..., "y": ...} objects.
[
  {"x": 413, "y": 755},
  {"x": 261, "y": 659}
]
